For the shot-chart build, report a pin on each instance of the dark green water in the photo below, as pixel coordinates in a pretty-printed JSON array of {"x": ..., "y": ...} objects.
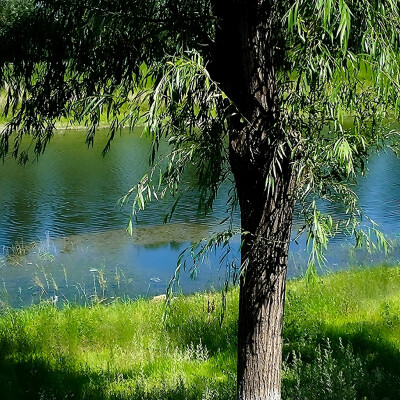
[{"x": 62, "y": 231}]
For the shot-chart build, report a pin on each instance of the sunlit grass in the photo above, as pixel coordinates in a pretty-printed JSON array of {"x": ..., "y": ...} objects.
[{"x": 341, "y": 341}]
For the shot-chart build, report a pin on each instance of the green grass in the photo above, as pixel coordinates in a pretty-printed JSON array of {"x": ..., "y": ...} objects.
[{"x": 341, "y": 341}]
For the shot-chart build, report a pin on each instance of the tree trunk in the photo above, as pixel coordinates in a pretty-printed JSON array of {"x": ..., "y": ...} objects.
[
  {"x": 247, "y": 56},
  {"x": 262, "y": 289}
]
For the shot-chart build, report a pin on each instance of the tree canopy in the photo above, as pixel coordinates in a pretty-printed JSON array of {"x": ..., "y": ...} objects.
[
  {"x": 337, "y": 82},
  {"x": 291, "y": 97}
]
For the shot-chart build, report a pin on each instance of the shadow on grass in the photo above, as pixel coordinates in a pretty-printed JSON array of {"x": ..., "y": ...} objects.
[
  {"x": 26, "y": 374},
  {"x": 202, "y": 325},
  {"x": 350, "y": 362},
  {"x": 34, "y": 379}
]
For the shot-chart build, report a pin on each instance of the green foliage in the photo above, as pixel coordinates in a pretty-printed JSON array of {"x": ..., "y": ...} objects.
[
  {"x": 337, "y": 79},
  {"x": 341, "y": 343},
  {"x": 185, "y": 112},
  {"x": 14, "y": 14},
  {"x": 338, "y": 96},
  {"x": 75, "y": 59}
]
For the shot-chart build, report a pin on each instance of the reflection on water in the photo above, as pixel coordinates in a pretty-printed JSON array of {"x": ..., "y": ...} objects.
[
  {"x": 63, "y": 229},
  {"x": 73, "y": 189},
  {"x": 74, "y": 266}
]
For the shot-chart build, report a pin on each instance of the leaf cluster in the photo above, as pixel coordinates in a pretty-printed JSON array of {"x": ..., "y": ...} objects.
[
  {"x": 337, "y": 77},
  {"x": 76, "y": 59},
  {"x": 339, "y": 96}
]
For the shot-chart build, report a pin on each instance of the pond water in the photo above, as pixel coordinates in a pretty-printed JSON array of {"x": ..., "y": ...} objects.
[{"x": 62, "y": 230}]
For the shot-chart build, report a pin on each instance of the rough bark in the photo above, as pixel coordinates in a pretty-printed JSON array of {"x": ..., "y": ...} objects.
[
  {"x": 262, "y": 291},
  {"x": 266, "y": 216},
  {"x": 246, "y": 60}
]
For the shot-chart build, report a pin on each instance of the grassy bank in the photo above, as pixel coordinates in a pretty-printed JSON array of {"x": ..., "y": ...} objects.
[{"x": 342, "y": 341}]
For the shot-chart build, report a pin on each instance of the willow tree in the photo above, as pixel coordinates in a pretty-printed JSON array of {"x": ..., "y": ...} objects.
[{"x": 290, "y": 97}]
